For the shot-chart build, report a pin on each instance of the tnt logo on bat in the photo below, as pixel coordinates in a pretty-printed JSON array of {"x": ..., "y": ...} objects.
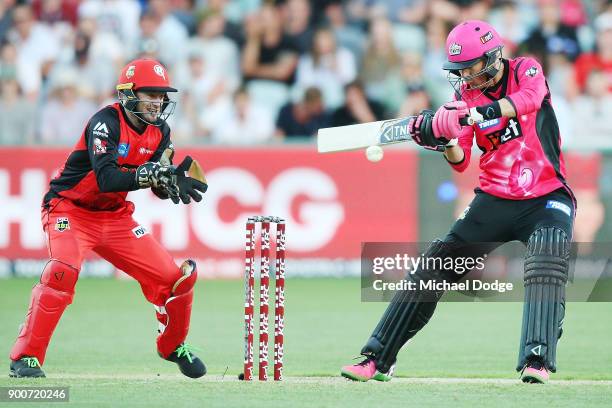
[{"x": 395, "y": 131}]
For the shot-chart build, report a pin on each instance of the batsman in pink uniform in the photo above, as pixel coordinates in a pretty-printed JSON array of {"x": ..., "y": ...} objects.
[
  {"x": 523, "y": 195},
  {"x": 124, "y": 147}
]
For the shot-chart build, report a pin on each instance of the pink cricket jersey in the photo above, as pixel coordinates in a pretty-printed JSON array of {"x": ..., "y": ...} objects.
[{"x": 521, "y": 157}]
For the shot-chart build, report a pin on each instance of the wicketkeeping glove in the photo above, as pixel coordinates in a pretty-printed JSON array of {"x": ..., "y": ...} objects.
[
  {"x": 152, "y": 174},
  {"x": 186, "y": 182}
]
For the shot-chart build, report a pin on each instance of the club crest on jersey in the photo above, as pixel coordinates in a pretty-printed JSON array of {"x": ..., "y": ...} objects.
[
  {"x": 123, "y": 149},
  {"x": 99, "y": 146},
  {"x": 454, "y": 49},
  {"x": 486, "y": 38},
  {"x": 159, "y": 70},
  {"x": 531, "y": 72},
  {"x": 62, "y": 224},
  {"x": 130, "y": 71}
]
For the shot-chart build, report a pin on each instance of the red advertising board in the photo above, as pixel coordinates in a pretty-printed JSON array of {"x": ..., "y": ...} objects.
[{"x": 331, "y": 204}]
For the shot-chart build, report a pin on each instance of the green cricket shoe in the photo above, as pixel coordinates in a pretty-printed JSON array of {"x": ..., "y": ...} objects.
[
  {"x": 26, "y": 367},
  {"x": 365, "y": 371},
  {"x": 188, "y": 363}
]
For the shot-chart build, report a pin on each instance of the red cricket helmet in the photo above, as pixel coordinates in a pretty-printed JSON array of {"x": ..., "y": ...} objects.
[{"x": 145, "y": 75}]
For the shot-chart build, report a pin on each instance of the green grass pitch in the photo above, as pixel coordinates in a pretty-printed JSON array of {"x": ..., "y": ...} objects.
[{"x": 104, "y": 350}]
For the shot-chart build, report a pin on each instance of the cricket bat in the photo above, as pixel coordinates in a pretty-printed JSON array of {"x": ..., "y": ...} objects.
[{"x": 364, "y": 135}]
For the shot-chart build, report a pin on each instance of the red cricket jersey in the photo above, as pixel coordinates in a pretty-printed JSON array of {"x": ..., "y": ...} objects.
[{"x": 100, "y": 170}]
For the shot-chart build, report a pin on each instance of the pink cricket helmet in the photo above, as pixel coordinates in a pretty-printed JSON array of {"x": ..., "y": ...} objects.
[{"x": 468, "y": 42}]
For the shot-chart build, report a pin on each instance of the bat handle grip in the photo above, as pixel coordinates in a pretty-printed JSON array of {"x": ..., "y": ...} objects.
[{"x": 466, "y": 121}]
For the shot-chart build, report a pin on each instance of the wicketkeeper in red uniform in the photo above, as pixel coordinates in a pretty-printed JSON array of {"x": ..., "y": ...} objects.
[{"x": 124, "y": 147}]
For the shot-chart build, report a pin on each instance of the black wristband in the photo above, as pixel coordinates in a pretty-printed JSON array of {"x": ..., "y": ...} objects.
[{"x": 490, "y": 111}]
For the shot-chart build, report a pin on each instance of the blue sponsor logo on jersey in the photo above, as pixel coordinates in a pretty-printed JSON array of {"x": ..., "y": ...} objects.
[
  {"x": 123, "y": 149},
  {"x": 556, "y": 205},
  {"x": 488, "y": 123}
]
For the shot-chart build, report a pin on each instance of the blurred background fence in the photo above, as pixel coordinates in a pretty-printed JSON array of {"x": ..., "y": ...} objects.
[{"x": 332, "y": 204}]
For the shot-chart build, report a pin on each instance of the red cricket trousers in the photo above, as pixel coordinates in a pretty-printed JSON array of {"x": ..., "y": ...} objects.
[{"x": 71, "y": 232}]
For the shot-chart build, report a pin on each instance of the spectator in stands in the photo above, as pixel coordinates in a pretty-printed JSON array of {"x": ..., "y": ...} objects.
[
  {"x": 221, "y": 54},
  {"x": 171, "y": 34},
  {"x": 381, "y": 64},
  {"x": 54, "y": 11},
  {"x": 97, "y": 77},
  {"x": 6, "y": 18},
  {"x": 268, "y": 54},
  {"x": 514, "y": 20},
  {"x": 66, "y": 113},
  {"x": 16, "y": 113},
  {"x": 398, "y": 87},
  {"x": 550, "y": 36},
  {"x": 601, "y": 59},
  {"x": 187, "y": 126},
  {"x": 398, "y": 11},
  {"x": 297, "y": 17},
  {"x": 327, "y": 67},
  {"x": 357, "y": 107},
  {"x": 415, "y": 101},
  {"x": 8, "y": 61},
  {"x": 303, "y": 118},
  {"x": 604, "y": 6},
  {"x": 184, "y": 11},
  {"x": 206, "y": 94},
  {"x": 105, "y": 48},
  {"x": 37, "y": 49},
  {"x": 454, "y": 11},
  {"x": 437, "y": 81},
  {"x": 147, "y": 44},
  {"x": 232, "y": 14},
  {"x": 348, "y": 36},
  {"x": 119, "y": 17},
  {"x": 573, "y": 13},
  {"x": 593, "y": 111},
  {"x": 243, "y": 123},
  {"x": 59, "y": 16}
]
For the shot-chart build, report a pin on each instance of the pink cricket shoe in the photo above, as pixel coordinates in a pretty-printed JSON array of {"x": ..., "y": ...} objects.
[
  {"x": 535, "y": 373},
  {"x": 366, "y": 370}
]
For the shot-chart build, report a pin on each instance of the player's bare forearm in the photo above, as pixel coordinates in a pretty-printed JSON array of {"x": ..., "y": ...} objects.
[
  {"x": 454, "y": 154},
  {"x": 507, "y": 110}
]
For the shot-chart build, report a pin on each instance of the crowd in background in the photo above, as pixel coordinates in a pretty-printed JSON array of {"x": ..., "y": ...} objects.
[{"x": 255, "y": 72}]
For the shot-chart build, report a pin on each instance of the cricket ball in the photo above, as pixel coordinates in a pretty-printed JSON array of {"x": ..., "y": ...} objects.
[{"x": 374, "y": 153}]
